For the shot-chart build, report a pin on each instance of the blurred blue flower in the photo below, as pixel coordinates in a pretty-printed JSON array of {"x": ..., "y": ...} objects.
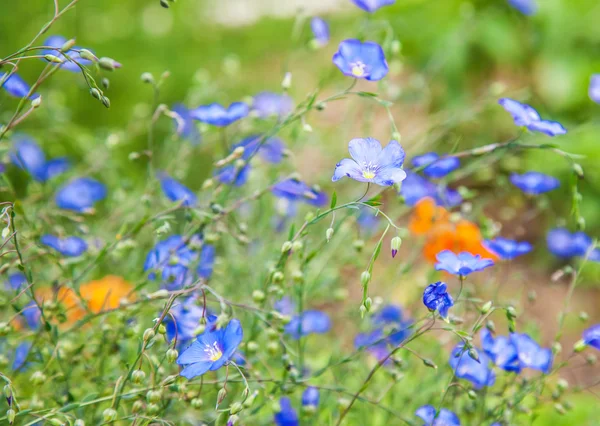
[
  {"x": 176, "y": 191},
  {"x": 591, "y": 336},
  {"x": 287, "y": 416},
  {"x": 594, "y": 90},
  {"x": 217, "y": 115},
  {"x": 16, "y": 280},
  {"x": 186, "y": 127},
  {"x": 361, "y": 60},
  {"x": 368, "y": 219},
  {"x": 477, "y": 372},
  {"x": 434, "y": 167},
  {"x": 183, "y": 321},
  {"x": 526, "y": 7},
  {"x": 27, "y": 155},
  {"x": 308, "y": 322},
  {"x": 374, "y": 342},
  {"x": 534, "y": 183},
  {"x": 295, "y": 190},
  {"x": 32, "y": 315},
  {"x": 69, "y": 246},
  {"x": 415, "y": 188},
  {"x": 427, "y": 413},
  {"x": 320, "y": 30},
  {"x": 57, "y": 42},
  {"x": 267, "y": 104},
  {"x": 508, "y": 249},
  {"x": 171, "y": 258},
  {"x": 80, "y": 194},
  {"x": 391, "y": 318},
  {"x": 461, "y": 264},
  {"x": 530, "y": 354},
  {"x": 563, "y": 244},
  {"x": 285, "y": 306},
  {"x": 372, "y": 5},
  {"x": 436, "y": 298},
  {"x": 16, "y": 86},
  {"x": 371, "y": 163},
  {"x": 21, "y": 354},
  {"x": 206, "y": 263},
  {"x": 501, "y": 350},
  {"x": 310, "y": 397},
  {"x": 211, "y": 350},
  {"x": 526, "y": 116}
]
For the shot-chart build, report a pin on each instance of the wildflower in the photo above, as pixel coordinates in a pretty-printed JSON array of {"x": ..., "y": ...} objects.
[
  {"x": 171, "y": 258},
  {"x": 27, "y": 155},
  {"x": 21, "y": 354},
  {"x": 534, "y": 183},
  {"x": 310, "y": 397},
  {"x": 427, "y": 413},
  {"x": 69, "y": 246},
  {"x": 508, "y": 249},
  {"x": 372, "y": 5},
  {"x": 368, "y": 219},
  {"x": 186, "y": 128},
  {"x": 80, "y": 194},
  {"x": 526, "y": 116},
  {"x": 516, "y": 352},
  {"x": 69, "y": 57},
  {"x": 320, "y": 30},
  {"x": 526, "y": 7},
  {"x": 308, "y": 322},
  {"x": 374, "y": 342},
  {"x": 361, "y": 60},
  {"x": 217, "y": 115},
  {"x": 436, "y": 298},
  {"x": 267, "y": 104},
  {"x": 106, "y": 293},
  {"x": 501, "y": 350},
  {"x": 461, "y": 264},
  {"x": 563, "y": 244},
  {"x": 16, "y": 86},
  {"x": 391, "y": 318},
  {"x": 371, "y": 163},
  {"x": 183, "y": 321},
  {"x": 64, "y": 297},
  {"x": 207, "y": 261},
  {"x": 594, "y": 90},
  {"x": 211, "y": 350},
  {"x": 295, "y": 190},
  {"x": 477, "y": 372},
  {"x": 530, "y": 354},
  {"x": 591, "y": 336},
  {"x": 435, "y": 167},
  {"x": 286, "y": 416},
  {"x": 176, "y": 191},
  {"x": 16, "y": 280},
  {"x": 416, "y": 188}
]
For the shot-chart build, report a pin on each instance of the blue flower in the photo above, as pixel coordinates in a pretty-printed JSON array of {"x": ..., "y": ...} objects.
[
  {"x": 526, "y": 116},
  {"x": 267, "y": 104},
  {"x": 526, "y": 7},
  {"x": 171, "y": 258},
  {"x": 69, "y": 246},
  {"x": 530, "y": 354},
  {"x": 32, "y": 315},
  {"x": 183, "y": 321},
  {"x": 308, "y": 322},
  {"x": 285, "y": 306},
  {"x": 374, "y": 342},
  {"x": 501, "y": 350},
  {"x": 295, "y": 191},
  {"x": 16, "y": 280},
  {"x": 368, "y": 219},
  {"x": 361, "y": 60},
  {"x": 57, "y": 42},
  {"x": 211, "y": 350},
  {"x": 371, "y": 163},
  {"x": 446, "y": 417},
  {"x": 21, "y": 354},
  {"x": 434, "y": 167},
  {"x": 310, "y": 397},
  {"x": 591, "y": 336},
  {"x": 186, "y": 127},
  {"x": 80, "y": 194},
  {"x": 287, "y": 416},
  {"x": 217, "y": 115},
  {"x": 508, "y": 249},
  {"x": 16, "y": 86},
  {"x": 176, "y": 191},
  {"x": 392, "y": 319},
  {"x": 206, "y": 263},
  {"x": 320, "y": 30},
  {"x": 594, "y": 90},
  {"x": 436, "y": 298},
  {"x": 461, "y": 264},
  {"x": 534, "y": 183},
  {"x": 477, "y": 372},
  {"x": 563, "y": 244},
  {"x": 27, "y": 155},
  {"x": 372, "y": 5},
  {"x": 415, "y": 188}
]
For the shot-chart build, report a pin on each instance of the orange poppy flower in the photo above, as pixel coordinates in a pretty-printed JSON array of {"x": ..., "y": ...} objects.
[
  {"x": 426, "y": 216},
  {"x": 106, "y": 293},
  {"x": 65, "y": 297}
]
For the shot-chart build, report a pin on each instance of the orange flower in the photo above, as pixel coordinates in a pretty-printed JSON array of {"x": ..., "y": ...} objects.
[
  {"x": 65, "y": 297},
  {"x": 106, "y": 293},
  {"x": 427, "y": 215}
]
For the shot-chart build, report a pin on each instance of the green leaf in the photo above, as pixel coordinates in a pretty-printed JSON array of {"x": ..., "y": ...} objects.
[
  {"x": 69, "y": 407},
  {"x": 333, "y": 200},
  {"x": 367, "y": 94},
  {"x": 90, "y": 397}
]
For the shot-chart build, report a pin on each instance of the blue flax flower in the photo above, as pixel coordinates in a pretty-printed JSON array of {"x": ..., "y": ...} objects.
[
  {"x": 183, "y": 321},
  {"x": 320, "y": 30},
  {"x": 361, "y": 60},
  {"x": 21, "y": 354},
  {"x": 461, "y": 264},
  {"x": 310, "y": 397},
  {"x": 294, "y": 190},
  {"x": 217, "y": 115},
  {"x": 594, "y": 90},
  {"x": 308, "y": 322},
  {"x": 172, "y": 259},
  {"x": 27, "y": 155},
  {"x": 392, "y": 320},
  {"x": 526, "y": 7},
  {"x": 526, "y": 116},
  {"x": 285, "y": 306},
  {"x": 446, "y": 417},
  {"x": 516, "y": 352},
  {"x": 287, "y": 416},
  {"x": 186, "y": 127},
  {"x": 206, "y": 263},
  {"x": 372, "y": 5},
  {"x": 16, "y": 280},
  {"x": 176, "y": 191},
  {"x": 477, "y": 372},
  {"x": 508, "y": 249},
  {"x": 374, "y": 342},
  {"x": 371, "y": 163},
  {"x": 501, "y": 350},
  {"x": 591, "y": 336},
  {"x": 32, "y": 315},
  {"x": 368, "y": 220},
  {"x": 267, "y": 104},
  {"x": 16, "y": 86},
  {"x": 436, "y": 298},
  {"x": 530, "y": 354},
  {"x": 68, "y": 57},
  {"x": 534, "y": 183},
  {"x": 69, "y": 246},
  {"x": 563, "y": 244},
  {"x": 415, "y": 188},
  {"x": 80, "y": 194},
  {"x": 211, "y": 350},
  {"x": 434, "y": 166}
]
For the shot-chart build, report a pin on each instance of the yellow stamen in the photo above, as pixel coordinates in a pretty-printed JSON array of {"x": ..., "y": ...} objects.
[
  {"x": 368, "y": 175},
  {"x": 358, "y": 70}
]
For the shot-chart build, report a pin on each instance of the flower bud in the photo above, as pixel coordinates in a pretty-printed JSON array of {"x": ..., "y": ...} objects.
[
  {"x": 556, "y": 348},
  {"x": 109, "y": 415},
  {"x": 68, "y": 45},
  {"x": 396, "y": 136},
  {"x": 86, "y": 54},
  {"x": 235, "y": 408},
  {"x": 160, "y": 294},
  {"x": 562, "y": 385},
  {"x": 10, "y": 416},
  {"x": 79, "y": 422},
  {"x": 38, "y": 378},
  {"x": 147, "y": 78},
  {"x": 578, "y": 170},
  {"x": 36, "y": 103},
  {"x": 358, "y": 245},
  {"x": 307, "y": 128},
  {"x": 172, "y": 355},
  {"x": 287, "y": 81},
  {"x": 152, "y": 409},
  {"x": 162, "y": 329},
  {"x": 583, "y": 316},
  {"x": 511, "y": 313},
  {"x": 138, "y": 376},
  {"x": 7, "y": 391},
  {"x": 221, "y": 395},
  {"x": 473, "y": 354},
  {"x": 153, "y": 396},
  {"x": 362, "y": 310},
  {"x": 149, "y": 334},
  {"x": 591, "y": 359},
  {"x": 208, "y": 183},
  {"x": 200, "y": 330},
  {"x": 579, "y": 346},
  {"x": 286, "y": 247},
  {"x": 105, "y": 83},
  {"x": 273, "y": 347},
  {"x": 108, "y": 64},
  {"x": 258, "y": 296},
  {"x": 53, "y": 59},
  {"x": 329, "y": 234},
  {"x": 297, "y": 246},
  {"x": 486, "y": 308},
  {"x": 277, "y": 276},
  {"x": 95, "y": 93},
  {"x": 396, "y": 242},
  {"x": 137, "y": 406},
  {"x": 250, "y": 400},
  {"x": 105, "y": 101},
  {"x": 472, "y": 394},
  {"x": 429, "y": 363},
  {"x": 197, "y": 403},
  {"x": 298, "y": 276},
  {"x": 368, "y": 303},
  {"x": 365, "y": 277}
]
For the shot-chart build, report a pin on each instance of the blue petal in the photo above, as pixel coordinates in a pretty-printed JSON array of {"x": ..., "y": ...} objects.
[
  {"x": 189, "y": 130},
  {"x": 522, "y": 114},
  {"x": 591, "y": 336},
  {"x": 207, "y": 261},
  {"x": 80, "y": 194},
  {"x": 196, "y": 369},
  {"x": 56, "y": 166},
  {"x": 16, "y": 86},
  {"x": 27, "y": 155},
  {"x": 310, "y": 396},
  {"x": 372, "y": 5},
  {"x": 232, "y": 337},
  {"x": 176, "y": 191},
  {"x": 320, "y": 30},
  {"x": 350, "y": 168},
  {"x": 550, "y": 128},
  {"x": 268, "y": 104},
  {"x": 442, "y": 167},
  {"x": 365, "y": 151},
  {"x": 21, "y": 354},
  {"x": 16, "y": 280},
  {"x": 70, "y": 246},
  {"x": 287, "y": 416},
  {"x": 426, "y": 413},
  {"x": 526, "y": 7},
  {"x": 508, "y": 249},
  {"x": 295, "y": 190},
  {"x": 594, "y": 90}
]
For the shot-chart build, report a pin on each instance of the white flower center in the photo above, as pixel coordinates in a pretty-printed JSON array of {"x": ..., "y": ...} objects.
[
  {"x": 214, "y": 352},
  {"x": 368, "y": 170},
  {"x": 358, "y": 69}
]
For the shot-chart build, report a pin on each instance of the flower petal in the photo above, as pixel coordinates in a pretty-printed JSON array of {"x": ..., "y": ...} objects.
[
  {"x": 348, "y": 167},
  {"x": 365, "y": 151}
]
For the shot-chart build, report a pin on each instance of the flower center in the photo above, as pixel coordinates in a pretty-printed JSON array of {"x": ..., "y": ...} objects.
[
  {"x": 214, "y": 352},
  {"x": 358, "y": 69},
  {"x": 368, "y": 170}
]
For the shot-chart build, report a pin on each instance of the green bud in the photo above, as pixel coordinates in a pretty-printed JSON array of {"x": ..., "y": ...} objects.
[
  {"x": 162, "y": 329},
  {"x": 7, "y": 391},
  {"x": 38, "y": 378},
  {"x": 105, "y": 83},
  {"x": 511, "y": 313},
  {"x": 197, "y": 403},
  {"x": 277, "y": 276},
  {"x": 556, "y": 348},
  {"x": 358, "y": 245},
  {"x": 36, "y": 102},
  {"x": 252, "y": 347},
  {"x": 105, "y": 101},
  {"x": 147, "y": 78},
  {"x": 472, "y": 394},
  {"x": 86, "y": 54},
  {"x": 286, "y": 247},
  {"x": 362, "y": 310},
  {"x": 95, "y": 93},
  {"x": 153, "y": 396},
  {"x": 395, "y": 244},
  {"x": 298, "y": 276},
  {"x": 473, "y": 354},
  {"x": 258, "y": 296},
  {"x": 221, "y": 395},
  {"x": 559, "y": 409},
  {"x": 79, "y": 422},
  {"x": 368, "y": 303},
  {"x": 591, "y": 359},
  {"x": 152, "y": 409},
  {"x": 365, "y": 277},
  {"x": 149, "y": 334},
  {"x": 328, "y": 234},
  {"x": 235, "y": 408},
  {"x": 273, "y": 347},
  {"x": 10, "y": 416},
  {"x": 579, "y": 346},
  {"x": 297, "y": 246},
  {"x": 562, "y": 385},
  {"x": 109, "y": 415},
  {"x": 583, "y": 316},
  {"x": 138, "y": 376},
  {"x": 108, "y": 64},
  {"x": 429, "y": 363},
  {"x": 486, "y": 308},
  {"x": 53, "y": 59},
  {"x": 250, "y": 400},
  {"x": 137, "y": 406},
  {"x": 578, "y": 170},
  {"x": 68, "y": 45},
  {"x": 396, "y": 136},
  {"x": 287, "y": 81},
  {"x": 172, "y": 355}
]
